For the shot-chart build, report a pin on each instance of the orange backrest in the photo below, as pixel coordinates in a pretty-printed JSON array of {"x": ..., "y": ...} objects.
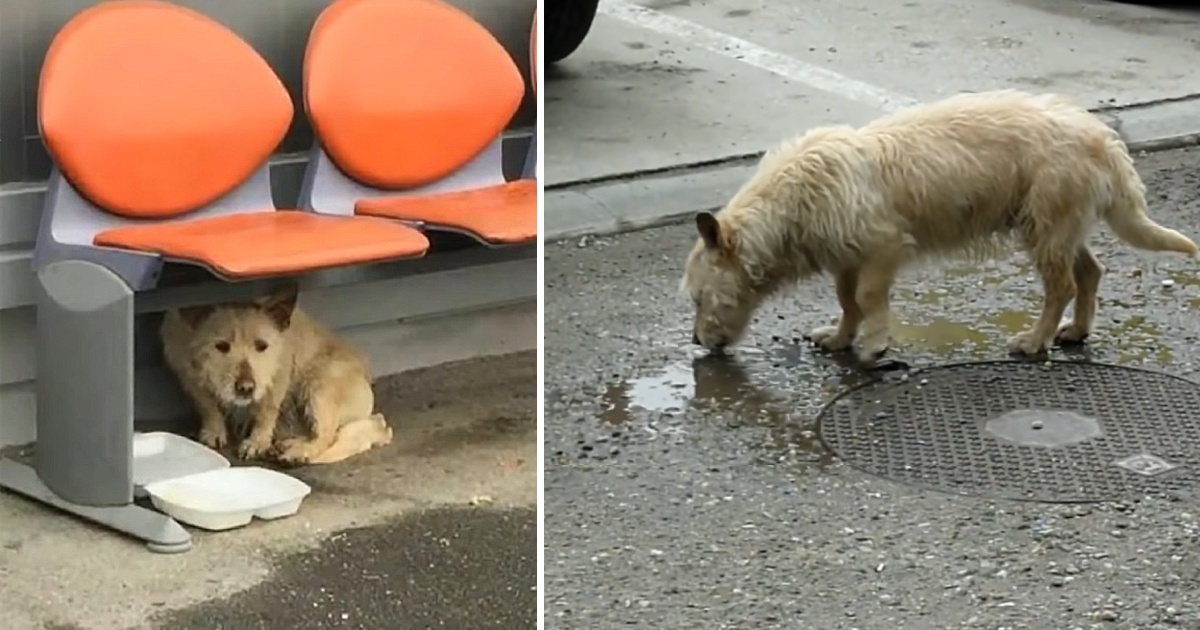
[
  {"x": 152, "y": 110},
  {"x": 402, "y": 93}
]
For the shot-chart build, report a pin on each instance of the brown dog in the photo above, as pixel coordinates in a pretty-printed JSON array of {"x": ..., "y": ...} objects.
[
  {"x": 268, "y": 357},
  {"x": 969, "y": 175}
]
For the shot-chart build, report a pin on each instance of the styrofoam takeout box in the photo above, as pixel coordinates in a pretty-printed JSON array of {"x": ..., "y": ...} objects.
[
  {"x": 159, "y": 456},
  {"x": 228, "y": 497}
]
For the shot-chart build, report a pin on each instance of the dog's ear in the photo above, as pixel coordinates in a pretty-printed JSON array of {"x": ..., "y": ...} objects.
[
  {"x": 710, "y": 229},
  {"x": 280, "y": 305},
  {"x": 193, "y": 316}
]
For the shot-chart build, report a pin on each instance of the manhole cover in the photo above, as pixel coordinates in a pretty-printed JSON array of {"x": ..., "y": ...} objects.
[{"x": 1061, "y": 431}]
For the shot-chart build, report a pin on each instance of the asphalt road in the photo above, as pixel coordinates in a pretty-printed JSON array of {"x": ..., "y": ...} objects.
[{"x": 682, "y": 492}]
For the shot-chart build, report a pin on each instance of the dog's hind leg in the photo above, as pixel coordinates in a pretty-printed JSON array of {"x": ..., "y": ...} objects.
[
  {"x": 356, "y": 437},
  {"x": 1058, "y": 280},
  {"x": 340, "y": 395},
  {"x": 841, "y": 335},
  {"x": 1087, "y": 271},
  {"x": 873, "y": 295}
]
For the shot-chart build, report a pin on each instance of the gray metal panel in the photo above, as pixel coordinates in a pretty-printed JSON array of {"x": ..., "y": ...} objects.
[
  {"x": 278, "y": 29},
  {"x": 21, "y": 203},
  {"x": 393, "y": 340},
  {"x": 85, "y": 386},
  {"x": 328, "y": 190},
  {"x": 464, "y": 282}
]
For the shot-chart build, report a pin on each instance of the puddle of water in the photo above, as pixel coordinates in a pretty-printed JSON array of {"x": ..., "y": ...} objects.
[
  {"x": 1138, "y": 341},
  {"x": 1184, "y": 278},
  {"x": 938, "y": 334},
  {"x": 1187, "y": 281},
  {"x": 989, "y": 271},
  {"x": 668, "y": 391},
  {"x": 942, "y": 336},
  {"x": 1135, "y": 339},
  {"x": 717, "y": 384}
]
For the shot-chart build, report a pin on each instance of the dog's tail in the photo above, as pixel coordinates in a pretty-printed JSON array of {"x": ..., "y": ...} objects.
[{"x": 1127, "y": 215}]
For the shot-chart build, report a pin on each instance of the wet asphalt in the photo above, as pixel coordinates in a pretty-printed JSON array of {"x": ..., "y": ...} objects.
[
  {"x": 687, "y": 492},
  {"x": 454, "y": 568}
]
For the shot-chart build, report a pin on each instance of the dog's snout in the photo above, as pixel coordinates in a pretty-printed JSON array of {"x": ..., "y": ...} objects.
[
  {"x": 695, "y": 339},
  {"x": 243, "y": 386}
]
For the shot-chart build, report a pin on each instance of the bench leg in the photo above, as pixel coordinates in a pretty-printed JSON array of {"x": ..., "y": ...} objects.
[
  {"x": 161, "y": 533},
  {"x": 530, "y": 170},
  {"x": 84, "y": 452}
]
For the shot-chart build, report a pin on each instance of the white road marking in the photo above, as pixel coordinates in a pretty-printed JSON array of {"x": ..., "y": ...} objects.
[{"x": 752, "y": 54}]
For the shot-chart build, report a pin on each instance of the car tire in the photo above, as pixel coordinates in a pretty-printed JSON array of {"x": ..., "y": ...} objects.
[{"x": 567, "y": 24}]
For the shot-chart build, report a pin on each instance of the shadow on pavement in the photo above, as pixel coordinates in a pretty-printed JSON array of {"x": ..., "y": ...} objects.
[{"x": 443, "y": 568}]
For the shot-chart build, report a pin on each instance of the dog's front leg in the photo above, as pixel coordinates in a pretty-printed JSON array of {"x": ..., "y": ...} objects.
[
  {"x": 214, "y": 431},
  {"x": 263, "y": 422},
  {"x": 841, "y": 336},
  {"x": 873, "y": 295}
]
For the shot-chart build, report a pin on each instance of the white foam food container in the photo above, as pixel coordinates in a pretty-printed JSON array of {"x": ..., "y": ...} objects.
[
  {"x": 159, "y": 456},
  {"x": 228, "y": 497}
]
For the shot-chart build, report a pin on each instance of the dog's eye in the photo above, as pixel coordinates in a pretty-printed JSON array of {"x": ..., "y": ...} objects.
[
  {"x": 222, "y": 346},
  {"x": 260, "y": 345}
]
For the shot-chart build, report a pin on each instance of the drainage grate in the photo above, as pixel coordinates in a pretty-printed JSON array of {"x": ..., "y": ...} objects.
[{"x": 1061, "y": 431}]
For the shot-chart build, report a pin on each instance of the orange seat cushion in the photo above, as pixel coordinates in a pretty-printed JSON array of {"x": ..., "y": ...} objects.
[
  {"x": 401, "y": 93},
  {"x": 241, "y": 246},
  {"x": 152, "y": 110},
  {"x": 503, "y": 214}
]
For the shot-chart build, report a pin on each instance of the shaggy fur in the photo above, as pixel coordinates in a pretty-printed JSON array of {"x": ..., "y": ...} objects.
[
  {"x": 972, "y": 175},
  {"x": 269, "y": 358}
]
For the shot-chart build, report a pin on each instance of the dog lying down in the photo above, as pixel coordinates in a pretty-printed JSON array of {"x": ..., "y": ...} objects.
[
  {"x": 269, "y": 360},
  {"x": 972, "y": 175}
]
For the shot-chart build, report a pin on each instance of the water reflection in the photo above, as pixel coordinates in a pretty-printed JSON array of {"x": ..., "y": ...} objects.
[{"x": 724, "y": 385}]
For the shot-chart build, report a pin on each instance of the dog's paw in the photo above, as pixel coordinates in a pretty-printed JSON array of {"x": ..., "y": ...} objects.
[
  {"x": 294, "y": 451},
  {"x": 871, "y": 352},
  {"x": 828, "y": 339},
  {"x": 214, "y": 439},
  {"x": 1027, "y": 343},
  {"x": 385, "y": 430},
  {"x": 253, "y": 448},
  {"x": 1070, "y": 333}
]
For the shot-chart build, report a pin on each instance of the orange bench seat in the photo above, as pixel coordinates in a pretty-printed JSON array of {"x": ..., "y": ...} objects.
[
  {"x": 503, "y": 214},
  {"x": 259, "y": 244}
]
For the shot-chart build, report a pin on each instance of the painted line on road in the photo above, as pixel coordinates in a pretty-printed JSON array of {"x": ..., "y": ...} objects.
[{"x": 754, "y": 55}]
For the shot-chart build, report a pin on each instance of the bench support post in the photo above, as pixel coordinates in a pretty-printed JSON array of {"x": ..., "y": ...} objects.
[
  {"x": 530, "y": 169},
  {"x": 83, "y": 461}
]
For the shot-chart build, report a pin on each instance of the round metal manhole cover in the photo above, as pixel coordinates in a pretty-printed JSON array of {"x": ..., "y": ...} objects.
[{"x": 1060, "y": 431}]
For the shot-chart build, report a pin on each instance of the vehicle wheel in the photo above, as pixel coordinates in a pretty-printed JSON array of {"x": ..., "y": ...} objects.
[{"x": 567, "y": 24}]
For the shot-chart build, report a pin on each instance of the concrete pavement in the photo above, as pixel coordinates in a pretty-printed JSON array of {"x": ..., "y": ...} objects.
[
  {"x": 436, "y": 530},
  {"x": 667, "y": 104}
]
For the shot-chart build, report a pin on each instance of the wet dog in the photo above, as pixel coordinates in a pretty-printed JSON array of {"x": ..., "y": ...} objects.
[
  {"x": 268, "y": 359},
  {"x": 972, "y": 175}
]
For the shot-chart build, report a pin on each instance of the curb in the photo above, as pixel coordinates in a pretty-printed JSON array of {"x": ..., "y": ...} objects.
[
  {"x": 641, "y": 201},
  {"x": 1154, "y": 145}
]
